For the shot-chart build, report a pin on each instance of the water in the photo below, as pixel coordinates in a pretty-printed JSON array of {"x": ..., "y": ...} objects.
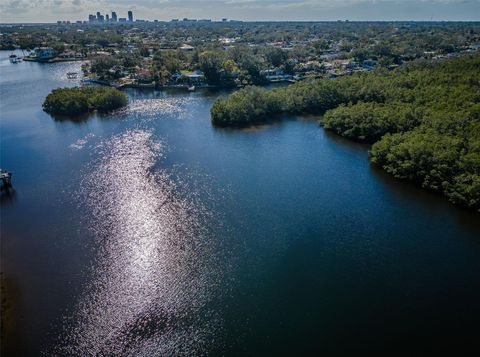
[{"x": 149, "y": 232}]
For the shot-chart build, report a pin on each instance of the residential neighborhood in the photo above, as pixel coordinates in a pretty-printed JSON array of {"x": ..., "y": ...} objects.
[{"x": 233, "y": 54}]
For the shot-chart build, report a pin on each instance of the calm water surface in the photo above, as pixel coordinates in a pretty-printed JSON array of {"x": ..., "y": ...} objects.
[{"x": 149, "y": 232}]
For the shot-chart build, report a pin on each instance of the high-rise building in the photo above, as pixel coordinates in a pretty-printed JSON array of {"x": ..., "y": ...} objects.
[
  {"x": 114, "y": 17},
  {"x": 100, "y": 18},
  {"x": 107, "y": 19},
  {"x": 130, "y": 16},
  {"x": 92, "y": 18}
]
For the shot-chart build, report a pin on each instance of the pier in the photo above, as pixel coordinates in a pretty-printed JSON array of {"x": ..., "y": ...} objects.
[{"x": 6, "y": 179}]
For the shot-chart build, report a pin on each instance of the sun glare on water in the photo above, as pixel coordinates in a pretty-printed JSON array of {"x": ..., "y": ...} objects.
[{"x": 150, "y": 284}]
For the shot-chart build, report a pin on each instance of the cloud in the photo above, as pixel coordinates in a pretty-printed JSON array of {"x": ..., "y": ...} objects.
[
  {"x": 39, "y": 9},
  {"x": 48, "y": 10}
]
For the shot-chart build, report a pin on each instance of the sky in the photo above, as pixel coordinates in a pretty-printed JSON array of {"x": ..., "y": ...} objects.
[{"x": 247, "y": 10}]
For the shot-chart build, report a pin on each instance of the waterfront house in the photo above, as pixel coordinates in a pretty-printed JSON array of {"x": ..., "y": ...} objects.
[
  {"x": 276, "y": 75},
  {"x": 70, "y": 55},
  {"x": 142, "y": 75},
  {"x": 43, "y": 53},
  {"x": 191, "y": 78}
]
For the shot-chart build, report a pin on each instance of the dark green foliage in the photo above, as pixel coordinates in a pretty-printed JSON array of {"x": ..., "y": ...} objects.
[
  {"x": 423, "y": 118},
  {"x": 247, "y": 106},
  {"x": 441, "y": 162},
  {"x": 211, "y": 64},
  {"x": 80, "y": 100},
  {"x": 101, "y": 65},
  {"x": 370, "y": 121},
  {"x": 253, "y": 104}
]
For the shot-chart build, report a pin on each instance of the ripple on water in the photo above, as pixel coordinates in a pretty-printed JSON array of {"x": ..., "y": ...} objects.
[
  {"x": 156, "y": 107},
  {"x": 80, "y": 143},
  {"x": 150, "y": 286}
]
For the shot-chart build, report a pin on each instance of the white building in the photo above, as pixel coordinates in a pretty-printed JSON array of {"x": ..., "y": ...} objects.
[{"x": 186, "y": 48}]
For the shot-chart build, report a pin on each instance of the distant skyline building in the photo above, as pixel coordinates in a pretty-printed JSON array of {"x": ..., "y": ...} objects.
[
  {"x": 113, "y": 18},
  {"x": 100, "y": 17}
]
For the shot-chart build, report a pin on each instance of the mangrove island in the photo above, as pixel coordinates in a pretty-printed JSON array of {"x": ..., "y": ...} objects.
[{"x": 80, "y": 100}]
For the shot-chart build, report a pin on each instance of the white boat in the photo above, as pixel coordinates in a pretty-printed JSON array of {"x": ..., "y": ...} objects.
[
  {"x": 191, "y": 89},
  {"x": 72, "y": 75},
  {"x": 14, "y": 58}
]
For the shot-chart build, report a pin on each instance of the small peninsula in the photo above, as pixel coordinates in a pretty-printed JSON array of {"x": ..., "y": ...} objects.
[{"x": 80, "y": 100}]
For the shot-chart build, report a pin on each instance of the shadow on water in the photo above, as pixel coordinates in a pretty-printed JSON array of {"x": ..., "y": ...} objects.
[
  {"x": 253, "y": 128},
  {"x": 80, "y": 119},
  {"x": 273, "y": 121},
  {"x": 346, "y": 142},
  {"x": 11, "y": 329},
  {"x": 83, "y": 118},
  {"x": 408, "y": 192},
  {"x": 8, "y": 196}
]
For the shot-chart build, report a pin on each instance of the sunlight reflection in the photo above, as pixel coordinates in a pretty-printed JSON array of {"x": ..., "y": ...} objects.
[{"x": 150, "y": 282}]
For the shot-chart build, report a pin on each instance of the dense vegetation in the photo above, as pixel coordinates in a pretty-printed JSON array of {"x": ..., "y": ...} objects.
[
  {"x": 80, "y": 100},
  {"x": 423, "y": 118}
]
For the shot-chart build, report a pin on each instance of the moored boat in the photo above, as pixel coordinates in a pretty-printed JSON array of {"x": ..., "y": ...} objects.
[
  {"x": 72, "y": 75},
  {"x": 14, "y": 58}
]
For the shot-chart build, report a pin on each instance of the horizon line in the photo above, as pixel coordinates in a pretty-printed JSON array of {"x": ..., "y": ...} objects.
[{"x": 192, "y": 20}]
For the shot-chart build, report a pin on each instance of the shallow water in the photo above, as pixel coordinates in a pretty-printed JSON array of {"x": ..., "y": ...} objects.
[{"x": 149, "y": 232}]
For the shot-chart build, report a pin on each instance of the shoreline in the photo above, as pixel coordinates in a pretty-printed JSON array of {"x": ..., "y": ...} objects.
[{"x": 53, "y": 60}]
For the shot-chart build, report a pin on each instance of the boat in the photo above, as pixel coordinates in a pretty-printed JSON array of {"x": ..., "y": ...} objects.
[
  {"x": 72, "y": 75},
  {"x": 14, "y": 58},
  {"x": 191, "y": 89}
]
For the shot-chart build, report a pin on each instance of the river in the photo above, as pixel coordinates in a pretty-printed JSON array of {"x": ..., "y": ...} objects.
[{"x": 149, "y": 232}]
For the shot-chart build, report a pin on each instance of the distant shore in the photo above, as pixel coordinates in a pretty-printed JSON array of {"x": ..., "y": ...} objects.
[{"x": 53, "y": 60}]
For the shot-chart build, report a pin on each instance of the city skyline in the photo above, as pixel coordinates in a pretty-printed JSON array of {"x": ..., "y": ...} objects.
[
  {"x": 106, "y": 18},
  {"x": 248, "y": 10}
]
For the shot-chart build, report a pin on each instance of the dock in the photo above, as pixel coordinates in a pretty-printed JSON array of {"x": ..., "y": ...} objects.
[{"x": 6, "y": 179}]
